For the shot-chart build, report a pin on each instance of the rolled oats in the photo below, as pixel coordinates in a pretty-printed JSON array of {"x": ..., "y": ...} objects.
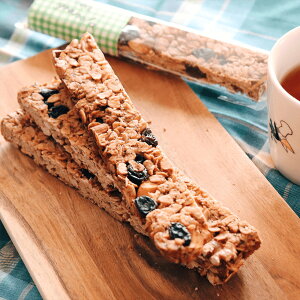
[{"x": 18, "y": 129}]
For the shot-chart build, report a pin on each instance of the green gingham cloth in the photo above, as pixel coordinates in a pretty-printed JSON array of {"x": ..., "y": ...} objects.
[
  {"x": 257, "y": 23},
  {"x": 68, "y": 19}
]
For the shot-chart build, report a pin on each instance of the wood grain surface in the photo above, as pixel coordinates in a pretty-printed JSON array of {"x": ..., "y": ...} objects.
[{"x": 75, "y": 250}]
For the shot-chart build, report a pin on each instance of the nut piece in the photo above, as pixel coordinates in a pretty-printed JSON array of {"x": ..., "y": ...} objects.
[
  {"x": 146, "y": 188},
  {"x": 166, "y": 165},
  {"x": 122, "y": 169},
  {"x": 139, "y": 46},
  {"x": 158, "y": 179}
]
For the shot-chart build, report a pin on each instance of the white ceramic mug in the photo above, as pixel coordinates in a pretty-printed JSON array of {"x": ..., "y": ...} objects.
[{"x": 284, "y": 109}]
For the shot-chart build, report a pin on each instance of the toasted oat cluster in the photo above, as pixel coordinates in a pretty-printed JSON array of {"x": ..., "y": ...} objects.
[
  {"x": 185, "y": 223},
  {"x": 194, "y": 56},
  {"x": 19, "y": 129}
]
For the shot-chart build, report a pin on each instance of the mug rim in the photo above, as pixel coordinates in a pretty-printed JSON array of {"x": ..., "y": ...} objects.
[{"x": 271, "y": 71}]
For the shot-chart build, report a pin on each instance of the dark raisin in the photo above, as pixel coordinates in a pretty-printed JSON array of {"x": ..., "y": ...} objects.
[
  {"x": 136, "y": 176},
  {"x": 179, "y": 231},
  {"x": 103, "y": 108},
  {"x": 205, "y": 53},
  {"x": 145, "y": 205},
  {"x": 222, "y": 60},
  {"x": 139, "y": 158},
  {"x": 130, "y": 32},
  {"x": 99, "y": 120},
  {"x": 50, "y": 105},
  {"x": 87, "y": 174},
  {"x": 57, "y": 111},
  {"x": 149, "y": 138},
  {"x": 46, "y": 93},
  {"x": 194, "y": 71},
  {"x": 236, "y": 88}
]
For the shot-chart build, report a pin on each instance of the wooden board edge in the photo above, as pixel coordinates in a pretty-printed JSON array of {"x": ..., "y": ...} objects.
[{"x": 47, "y": 282}]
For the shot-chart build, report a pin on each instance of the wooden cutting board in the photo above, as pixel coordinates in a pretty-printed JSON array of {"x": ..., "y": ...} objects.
[{"x": 75, "y": 250}]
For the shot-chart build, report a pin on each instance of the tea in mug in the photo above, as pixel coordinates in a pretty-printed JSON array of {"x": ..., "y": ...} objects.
[{"x": 291, "y": 82}]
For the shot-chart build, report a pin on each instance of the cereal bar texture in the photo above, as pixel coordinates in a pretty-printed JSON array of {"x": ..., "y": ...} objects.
[
  {"x": 18, "y": 129},
  {"x": 186, "y": 225},
  {"x": 63, "y": 125},
  {"x": 194, "y": 56}
]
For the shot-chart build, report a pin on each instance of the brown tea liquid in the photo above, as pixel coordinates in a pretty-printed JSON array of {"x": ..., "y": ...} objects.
[{"x": 291, "y": 83}]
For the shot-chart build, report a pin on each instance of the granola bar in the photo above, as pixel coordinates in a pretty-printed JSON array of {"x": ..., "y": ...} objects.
[
  {"x": 185, "y": 223},
  {"x": 195, "y": 57},
  {"x": 18, "y": 129}
]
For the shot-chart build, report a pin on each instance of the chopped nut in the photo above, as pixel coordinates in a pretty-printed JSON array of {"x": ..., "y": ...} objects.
[
  {"x": 122, "y": 169},
  {"x": 158, "y": 179},
  {"x": 146, "y": 188},
  {"x": 165, "y": 200},
  {"x": 139, "y": 46}
]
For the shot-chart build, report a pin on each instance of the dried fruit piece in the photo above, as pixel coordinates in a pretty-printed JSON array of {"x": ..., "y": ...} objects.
[
  {"x": 194, "y": 71},
  {"x": 46, "y": 93},
  {"x": 49, "y": 104},
  {"x": 136, "y": 176},
  {"x": 205, "y": 53},
  {"x": 149, "y": 138},
  {"x": 87, "y": 174},
  {"x": 179, "y": 231},
  {"x": 99, "y": 120},
  {"x": 222, "y": 60},
  {"x": 130, "y": 32},
  {"x": 139, "y": 158},
  {"x": 57, "y": 111},
  {"x": 145, "y": 204}
]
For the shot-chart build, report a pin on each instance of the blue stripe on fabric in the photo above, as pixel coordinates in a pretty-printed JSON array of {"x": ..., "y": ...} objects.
[
  {"x": 220, "y": 102},
  {"x": 205, "y": 14},
  {"x": 156, "y": 8},
  {"x": 12, "y": 287},
  {"x": 272, "y": 18},
  {"x": 236, "y": 12},
  {"x": 280, "y": 183},
  {"x": 33, "y": 294},
  {"x": 244, "y": 132},
  {"x": 38, "y": 42}
]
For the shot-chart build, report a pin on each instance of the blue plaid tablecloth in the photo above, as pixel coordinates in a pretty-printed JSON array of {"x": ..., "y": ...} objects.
[{"x": 255, "y": 23}]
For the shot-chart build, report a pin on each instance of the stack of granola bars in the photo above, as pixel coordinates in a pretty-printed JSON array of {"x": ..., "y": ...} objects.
[{"x": 85, "y": 130}]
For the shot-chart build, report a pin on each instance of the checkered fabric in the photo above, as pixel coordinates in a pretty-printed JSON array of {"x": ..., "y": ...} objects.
[
  {"x": 68, "y": 19},
  {"x": 256, "y": 23}
]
